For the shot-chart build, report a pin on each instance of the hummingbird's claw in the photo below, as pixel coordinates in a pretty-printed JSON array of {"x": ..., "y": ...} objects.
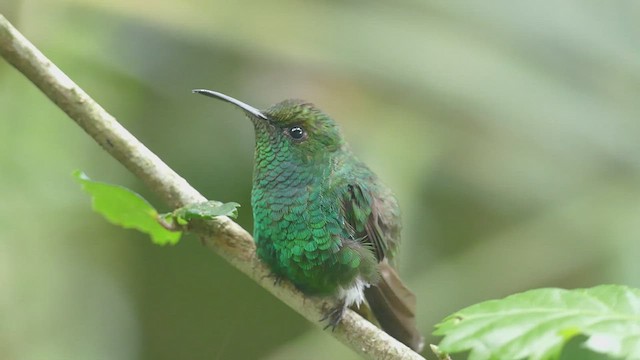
[
  {"x": 277, "y": 279},
  {"x": 334, "y": 316}
]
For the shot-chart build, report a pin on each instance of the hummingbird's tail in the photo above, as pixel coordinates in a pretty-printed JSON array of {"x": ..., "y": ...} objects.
[{"x": 394, "y": 306}]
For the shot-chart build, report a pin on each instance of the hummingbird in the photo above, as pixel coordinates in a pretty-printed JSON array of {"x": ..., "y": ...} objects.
[{"x": 322, "y": 219}]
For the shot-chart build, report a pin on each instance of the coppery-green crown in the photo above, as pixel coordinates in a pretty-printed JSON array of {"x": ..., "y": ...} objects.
[{"x": 305, "y": 125}]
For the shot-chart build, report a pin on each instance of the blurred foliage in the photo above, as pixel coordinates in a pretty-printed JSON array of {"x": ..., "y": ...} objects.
[{"x": 508, "y": 130}]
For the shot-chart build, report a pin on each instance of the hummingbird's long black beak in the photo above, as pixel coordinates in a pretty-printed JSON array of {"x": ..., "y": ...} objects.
[{"x": 248, "y": 108}]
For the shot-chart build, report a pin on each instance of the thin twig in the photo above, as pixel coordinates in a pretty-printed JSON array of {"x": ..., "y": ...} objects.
[{"x": 222, "y": 235}]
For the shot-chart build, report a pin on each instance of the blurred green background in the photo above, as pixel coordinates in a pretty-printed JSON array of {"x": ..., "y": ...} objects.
[{"x": 510, "y": 133}]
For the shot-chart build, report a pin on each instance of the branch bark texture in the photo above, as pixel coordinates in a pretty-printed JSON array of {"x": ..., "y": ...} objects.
[{"x": 221, "y": 235}]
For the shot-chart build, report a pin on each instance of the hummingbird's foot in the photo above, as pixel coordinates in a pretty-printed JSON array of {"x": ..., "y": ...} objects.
[
  {"x": 334, "y": 315},
  {"x": 277, "y": 279}
]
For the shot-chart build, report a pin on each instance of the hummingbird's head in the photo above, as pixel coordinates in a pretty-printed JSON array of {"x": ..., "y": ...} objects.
[
  {"x": 303, "y": 126},
  {"x": 295, "y": 127}
]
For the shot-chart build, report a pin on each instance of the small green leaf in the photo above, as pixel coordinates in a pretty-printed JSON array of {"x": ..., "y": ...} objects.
[
  {"x": 125, "y": 208},
  {"x": 536, "y": 324},
  {"x": 206, "y": 210}
]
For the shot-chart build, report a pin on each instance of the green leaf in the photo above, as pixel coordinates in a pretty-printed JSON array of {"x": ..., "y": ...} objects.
[
  {"x": 206, "y": 210},
  {"x": 536, "y": 324},
  {"x": 125, "y": 208}
]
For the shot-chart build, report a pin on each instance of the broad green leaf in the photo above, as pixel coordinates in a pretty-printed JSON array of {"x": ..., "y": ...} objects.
[
  {"x": 125, "y": 208},
  {"x": 536, "y": 324},
  {"x": 206, "y": 210}
]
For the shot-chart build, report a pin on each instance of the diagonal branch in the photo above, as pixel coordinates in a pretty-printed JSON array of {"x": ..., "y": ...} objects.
[{"x": 221, "y": 235}]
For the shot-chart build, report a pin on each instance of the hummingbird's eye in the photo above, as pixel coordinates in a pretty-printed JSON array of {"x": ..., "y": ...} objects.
[{"x": 296, "y": 133}]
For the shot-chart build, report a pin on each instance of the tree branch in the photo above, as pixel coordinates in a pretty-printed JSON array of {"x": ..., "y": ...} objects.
[{"x": 221, "y": 235}]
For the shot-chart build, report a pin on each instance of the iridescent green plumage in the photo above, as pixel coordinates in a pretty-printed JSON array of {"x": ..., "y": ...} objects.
[
  {"x": 322, "y": 219},
  {"x": 299, "y": 191}
]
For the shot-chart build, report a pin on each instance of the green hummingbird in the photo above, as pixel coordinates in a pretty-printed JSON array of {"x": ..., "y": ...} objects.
[{"x": 323, "y": 219}]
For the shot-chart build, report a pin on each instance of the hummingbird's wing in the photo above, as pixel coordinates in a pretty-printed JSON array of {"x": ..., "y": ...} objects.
[{"x": 373, "y": 219}]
